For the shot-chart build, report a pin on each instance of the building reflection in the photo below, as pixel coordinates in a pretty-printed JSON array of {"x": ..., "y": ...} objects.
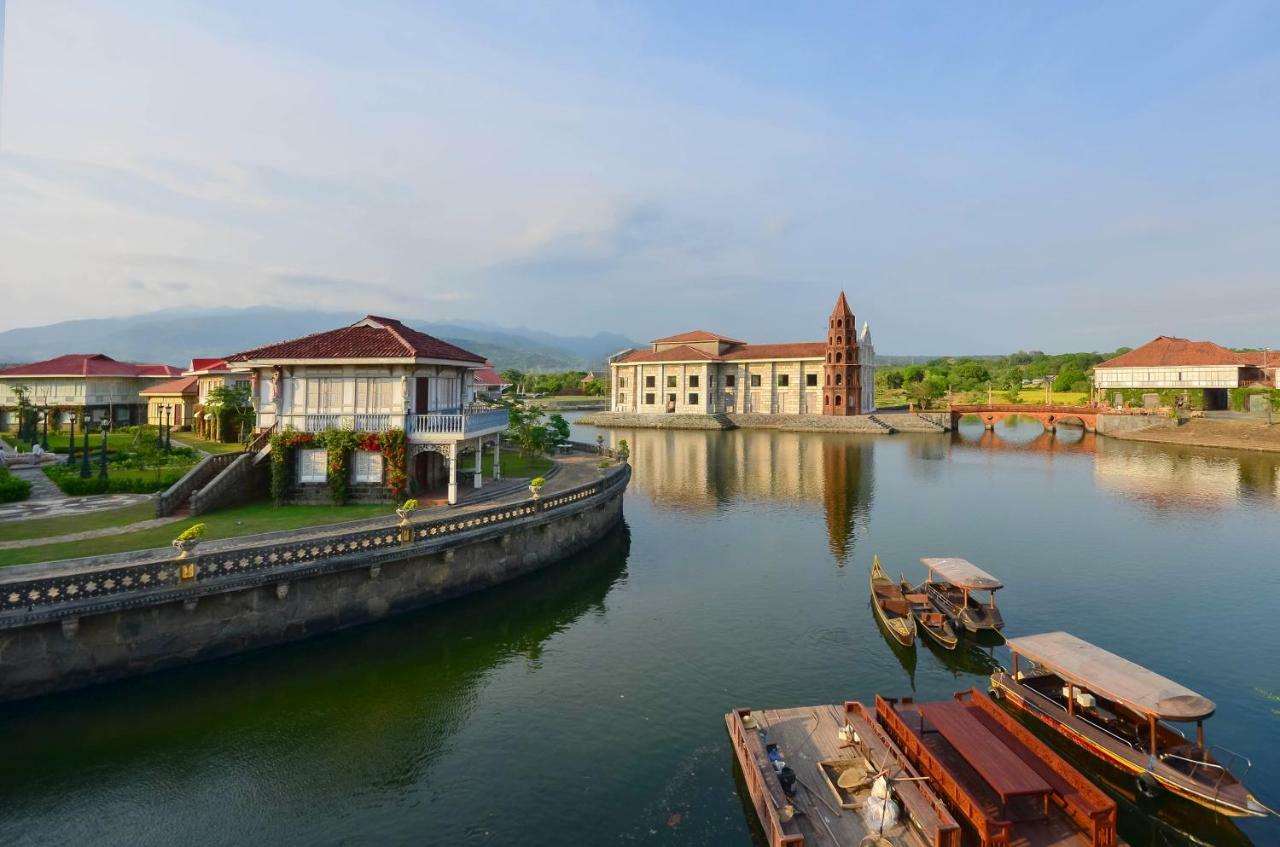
[
  {"x": 692, "y": 469},
  {"x": 1173, "y": 478}
]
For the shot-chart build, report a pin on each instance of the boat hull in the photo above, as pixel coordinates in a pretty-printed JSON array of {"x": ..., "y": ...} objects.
[
  {"x": 1011, "y": 693},
  {"x": 901, "y": 629},
  {"x": 963, "y": 617}
]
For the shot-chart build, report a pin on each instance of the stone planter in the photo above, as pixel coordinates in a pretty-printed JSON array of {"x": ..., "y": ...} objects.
[
  {"x": 406, "y": 534},
  {"x": 184, "y": 548},
  {"x": 536, "y": 491}
]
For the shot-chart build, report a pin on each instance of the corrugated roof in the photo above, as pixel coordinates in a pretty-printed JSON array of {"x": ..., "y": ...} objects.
[
  {"x": 1112, "y": 676},
  {"x": 1170, "y": 351},
  {"x": 89, "y": 364},
  {"x": 696, "y": 335},
  {"x": 181, "y": 385},
  {"x": 372, "y": 337}
]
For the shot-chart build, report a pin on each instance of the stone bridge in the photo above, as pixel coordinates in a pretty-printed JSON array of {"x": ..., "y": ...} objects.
[{"x": 1049, "y": 416}]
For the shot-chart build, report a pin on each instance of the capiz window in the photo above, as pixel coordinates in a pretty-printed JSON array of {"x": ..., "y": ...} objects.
[
  {"x": 311, "y": 465},
  {"x": 367, "y": 466}
]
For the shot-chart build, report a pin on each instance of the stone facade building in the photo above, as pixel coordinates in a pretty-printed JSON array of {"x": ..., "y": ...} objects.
[{"x": 701, "y": 372}]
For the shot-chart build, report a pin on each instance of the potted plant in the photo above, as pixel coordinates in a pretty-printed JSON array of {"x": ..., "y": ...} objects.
[
  {"x": 623, "y": 451},
  {"x": 600, "y": 444},
  {"x": 603, "y": 466},
  {"x": 535, "y": 486},
  {"x": 188, "y": 539},
  {"x": 406, "y": 509}
]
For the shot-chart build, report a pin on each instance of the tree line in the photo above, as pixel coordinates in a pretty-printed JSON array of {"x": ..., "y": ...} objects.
[
  {"x": 555, "y": 382},
  {"x": 923, "y": 383}
]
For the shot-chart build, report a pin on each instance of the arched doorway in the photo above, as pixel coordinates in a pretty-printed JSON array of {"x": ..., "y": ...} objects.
[{"x": 430, "y": 476}]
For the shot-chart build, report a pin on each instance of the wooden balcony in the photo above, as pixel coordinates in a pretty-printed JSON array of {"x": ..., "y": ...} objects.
[{"x": 468, "y": 422}]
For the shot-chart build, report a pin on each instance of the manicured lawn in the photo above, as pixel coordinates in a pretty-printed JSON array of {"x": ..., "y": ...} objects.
[
  {"x": 59, "y": 441},
  {"x": 513, "y": 465},
  {"x": 190, "y": 439},
  {"x": 49, "y": 527},
  {"x": 248, "y": 519}
]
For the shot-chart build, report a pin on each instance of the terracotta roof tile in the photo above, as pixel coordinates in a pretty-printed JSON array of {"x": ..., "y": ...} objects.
[
  {"x": 1167, "y": 350},
  {"x": 685, "y": 353},
  {"x": 372, "y": 337},
  {"x": 488, "y": 376},
  {"x": 181, "y": 385},
  {"x": 695, "y": 335},
  {"x": 89, "y": 364}
]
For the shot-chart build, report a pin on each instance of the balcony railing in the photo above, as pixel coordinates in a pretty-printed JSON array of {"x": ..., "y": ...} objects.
[{"x": 463, "y": 422}]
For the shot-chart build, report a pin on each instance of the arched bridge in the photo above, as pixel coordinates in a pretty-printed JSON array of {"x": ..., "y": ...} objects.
[{"x": 1049, "y": 416}]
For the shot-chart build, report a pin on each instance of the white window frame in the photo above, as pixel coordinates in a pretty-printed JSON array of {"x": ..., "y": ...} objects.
[
  {"x": 366, "y": 466},
  {"x": 307, "y": 463}
]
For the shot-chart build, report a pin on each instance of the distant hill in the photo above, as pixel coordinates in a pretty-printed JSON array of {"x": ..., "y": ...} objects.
[{"x": 174, "y": 336}]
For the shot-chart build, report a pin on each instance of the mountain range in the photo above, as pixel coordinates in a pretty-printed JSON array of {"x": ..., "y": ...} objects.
[{"x": 175, "y": 336}]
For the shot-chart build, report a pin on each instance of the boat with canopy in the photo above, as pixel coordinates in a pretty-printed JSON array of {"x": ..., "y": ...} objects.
[
  {"x": 951, "y": 586},
  {"x": 1121, "y": 712}
]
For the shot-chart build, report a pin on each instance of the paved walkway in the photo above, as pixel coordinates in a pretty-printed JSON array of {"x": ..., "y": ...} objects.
[{"x": 47, "y": 501}]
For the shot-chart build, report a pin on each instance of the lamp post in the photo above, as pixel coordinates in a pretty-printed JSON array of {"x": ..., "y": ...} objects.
[
  {"x": 168, "y": 428},
  {"x": 102, "y": 457},
  {"x": 71, "y": 449},
  {"x": 44, "y": 436},
  {"x": 84, "y": 459},
  {"x": 159, "y": 426}
]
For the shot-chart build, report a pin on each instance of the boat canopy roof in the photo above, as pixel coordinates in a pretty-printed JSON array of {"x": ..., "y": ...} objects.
[
  {"x": 1116, "y": 678},
  {"x": 963, "y": 574}
]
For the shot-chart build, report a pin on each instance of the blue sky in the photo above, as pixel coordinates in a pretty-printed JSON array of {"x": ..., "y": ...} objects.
[{"x": 978, "y": 177}]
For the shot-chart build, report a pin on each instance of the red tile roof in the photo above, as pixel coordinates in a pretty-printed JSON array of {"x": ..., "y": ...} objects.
[
  {"x": 207, "y": 365},
  {"x": 695, "y": 335},
  {"x": 181, "y": 385},
  {"x": 1169, "y": 351},
  {"x": 372, "y": 337},
  {"x": 89, "y": 364},
  {"x": 685, "y": 353},
  {"x": 488, "y": 376}
]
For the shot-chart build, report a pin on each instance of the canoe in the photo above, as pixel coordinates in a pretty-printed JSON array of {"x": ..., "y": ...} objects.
[
  {"x": 929, "y": 621},
  {"x": 891, "y": 606}
]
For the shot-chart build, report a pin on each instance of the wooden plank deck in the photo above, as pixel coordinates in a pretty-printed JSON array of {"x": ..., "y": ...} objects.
[{"x": 807, "y": 736}]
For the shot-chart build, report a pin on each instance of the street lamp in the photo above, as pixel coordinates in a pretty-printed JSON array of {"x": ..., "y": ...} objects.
[
  {"x": 71, "y": 450},
  {"x": 159, "y": 426},
  {"x": 44, "y": 437},
  {"x": 102, "y": 457},
  {"x": 168, "y": 431},
  {"x": 84, "y": 459}
]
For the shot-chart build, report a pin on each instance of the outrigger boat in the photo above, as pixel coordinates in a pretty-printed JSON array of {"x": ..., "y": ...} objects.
[
  {"x": 951, "y": 585},
  {"x": 997, "y": 776},
  {"x": 892, "y": 607},
  {"x": 934, "y": 624},
  {"x": 1117, "y": 710}
]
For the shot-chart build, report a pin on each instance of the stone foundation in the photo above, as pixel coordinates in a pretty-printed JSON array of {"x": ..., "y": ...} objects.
[{"x": 791, "y": 423}]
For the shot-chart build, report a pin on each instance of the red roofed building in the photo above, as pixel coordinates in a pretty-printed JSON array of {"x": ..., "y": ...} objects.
[
  {"x": 702, "y": 372},
  {"x": 91, "y": 385},
  {"x": 171, "y": 403},
  {"x": 210, "y": 374},
  {"x": 488, "y": 383},
  {"x": 376, "y": 375},
  {"x": 1207, "y": 371}
]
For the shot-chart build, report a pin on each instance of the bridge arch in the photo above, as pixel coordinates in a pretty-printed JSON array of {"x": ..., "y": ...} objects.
[{"x": 1050, "y": 417}]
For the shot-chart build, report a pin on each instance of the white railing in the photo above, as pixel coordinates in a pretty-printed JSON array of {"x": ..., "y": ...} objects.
[{"x": 464, "y": 422}]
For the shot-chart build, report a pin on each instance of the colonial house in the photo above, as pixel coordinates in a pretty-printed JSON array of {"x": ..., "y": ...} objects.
[
  {"x": 92, "y": 386},
  {"x": 488, "y": 384},
  {"x": 211, "y": 374},
  {"x": 1205, "y": 371},
  {"x": 703, "y": 373},
  {"x": 171, "y": 403},
  {"x": 375, "y": 376}
]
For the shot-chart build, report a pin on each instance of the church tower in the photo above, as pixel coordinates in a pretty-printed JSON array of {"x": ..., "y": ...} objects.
[{"x": 842, "y": 376}]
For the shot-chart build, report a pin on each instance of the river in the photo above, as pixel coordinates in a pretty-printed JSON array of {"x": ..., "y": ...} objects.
[{"x": 585, "y": 704}]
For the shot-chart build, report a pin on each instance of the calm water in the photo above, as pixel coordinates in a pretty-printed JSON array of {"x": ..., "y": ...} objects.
[{"x": 586, "y": 703}]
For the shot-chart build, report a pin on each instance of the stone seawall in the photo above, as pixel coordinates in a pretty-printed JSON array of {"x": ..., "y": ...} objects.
[
  {"x": 791, "y": 423},
  {"x": 1118, "y": 425},
  {"x": 66, "y": 646}
]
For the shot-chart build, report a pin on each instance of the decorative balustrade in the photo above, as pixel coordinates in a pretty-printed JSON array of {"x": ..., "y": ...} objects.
[
  {"x": 474, "y": 420},
  {"x": 47, "y": 596}
]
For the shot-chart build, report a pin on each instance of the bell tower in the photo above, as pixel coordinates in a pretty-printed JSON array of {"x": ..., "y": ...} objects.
[{"x": 842, "y": 376}]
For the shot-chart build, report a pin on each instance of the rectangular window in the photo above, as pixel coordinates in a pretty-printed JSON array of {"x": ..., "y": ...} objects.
[
  {"x": 671, "y": 382},
  {"x": 730, "y": 380},
  {"x": 622, "y": 382},
  {"x": 648, "y": 399},
  {"x": 693, "y": 399},
  {"x": 811, "y": 380},
  {"x": 311, "y": 465},
  {"x": 367, "y": 466},
  {"x": 755, "y": 380},
  {"x": 693, "y": 381},
  {"x": 784, "y": 380},
  {"x": 374, "y": 395},
  {"x": 622, "y": 397},
  {"x": 649, "y": 382}
]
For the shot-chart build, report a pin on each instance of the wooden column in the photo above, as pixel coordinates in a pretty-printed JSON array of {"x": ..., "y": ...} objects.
[
  {"x": 479, "y": 456},
  {"x": 453, "y": 474},
  {"x": 497, "y": 456}
]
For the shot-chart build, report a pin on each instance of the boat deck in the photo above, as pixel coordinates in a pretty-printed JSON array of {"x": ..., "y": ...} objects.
[
  {"x": 1003, "y": 775},
  {"x": 808, "y": 736}
]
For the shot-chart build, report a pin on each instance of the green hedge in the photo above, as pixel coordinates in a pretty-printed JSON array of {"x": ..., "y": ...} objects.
[
  {"x": 1239, "y": 397},
  {"x": 1168, "y": 396},
  {"x": 68, "y": 479},
  {"x": 13, "y": 488}
]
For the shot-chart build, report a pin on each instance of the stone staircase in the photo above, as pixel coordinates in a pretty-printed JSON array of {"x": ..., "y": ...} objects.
[{"x": 880, "y": 423}]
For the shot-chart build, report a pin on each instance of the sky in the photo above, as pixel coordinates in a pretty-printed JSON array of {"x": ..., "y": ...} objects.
[{"x": 979, "y": 178}]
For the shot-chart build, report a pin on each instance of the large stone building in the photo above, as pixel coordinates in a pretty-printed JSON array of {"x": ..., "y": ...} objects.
[
  {"x": 92, "y": 386},
  {"x": 704, "y": 373},
  {"x": 1202, "y": 369}
]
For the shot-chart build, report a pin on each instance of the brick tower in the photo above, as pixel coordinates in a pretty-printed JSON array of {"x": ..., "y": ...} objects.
[{"x": 842, "y": 376}]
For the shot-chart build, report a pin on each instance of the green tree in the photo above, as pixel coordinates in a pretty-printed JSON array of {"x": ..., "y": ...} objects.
[
  {"x": 231, "y": 405},
  {"x": 913, "y": 373},
  {"x": 894, "y": 379},
  {"x": 1069, "y": 377},
  {"x": 557, "y": 432},
  {"x": 515, "y": 377}
]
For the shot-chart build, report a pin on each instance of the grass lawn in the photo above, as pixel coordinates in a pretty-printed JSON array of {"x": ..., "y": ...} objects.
[
  {"x": 49, "y": 527},
  {"x": 248, "y": 519},
  {"x": 59, "y": 441},
  {"x": 190, "y": 439},
  {"x": 1028, "y": 397},
  {"x": 514, "y": 465}
]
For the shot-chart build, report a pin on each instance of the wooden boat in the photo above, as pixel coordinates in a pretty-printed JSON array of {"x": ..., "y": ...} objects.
[
  {"x": 951, "y": 585},
  {"x": 934, "y": 624},
  {"x": 992, "y": 772},
  {"x": 892, "y": 609},
  {"x": 833, "y": 755},
  {"x": 1119, "y": 711}
]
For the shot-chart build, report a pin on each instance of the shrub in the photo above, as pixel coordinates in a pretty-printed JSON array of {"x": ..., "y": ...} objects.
[
  {"x": 538, "y": 482},
  {"x": 409, "y": 505},
  {"x": 12, "y": 488},
  {"x": 193, "y": 532},
  {"x": 68, "y": 480}
]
